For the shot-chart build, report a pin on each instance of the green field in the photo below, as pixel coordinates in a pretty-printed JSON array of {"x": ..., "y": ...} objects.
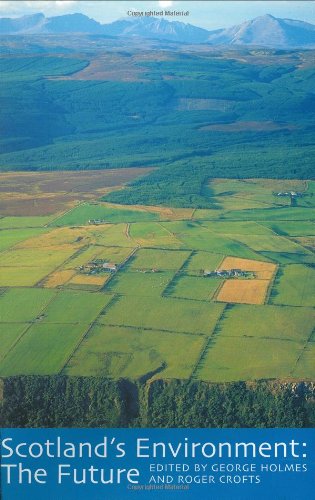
[
  {"x": 115, "y": 235},
  {"x": 85, "y": 212},
  {"x": 295, "y": 286},
  {"x": 203, "y": 260},
  {"x": 75, "y": 307},
  {"x": 245, "y": 227},
  {"x": 45, "y": 258},
  {"x": 10, "y": 333},
  {"x": 270, "y": 244},
  {"x": 130, "y": 352},
  {"x": 157, "y": 315},
  {"x": 153, "y": 235},
  {"x": 289, "y": 258},
  {"x": 195, "y": 236},
  {"x": 25, "y": 222},
  {"x": 28, "y": 266},
  {"x": 139, "y": 284},
  {"x": 305, "y": 364},
  {"x": 23, "y": 304},
  {"x": 158, "y": 259},
  {"x": 50, "y": 347},
  {"x": 191, "y": 287},
  {"x": 291, "y": 228},
  {"x": 10, "y": 238},
  {"x": 163, "y": 314},
  {"x": 229, "y": 359},
  {"x": 283, "y": 323}
]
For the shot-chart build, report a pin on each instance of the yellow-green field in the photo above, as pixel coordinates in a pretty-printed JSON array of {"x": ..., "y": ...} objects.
[{"x": 157, "y": 312}]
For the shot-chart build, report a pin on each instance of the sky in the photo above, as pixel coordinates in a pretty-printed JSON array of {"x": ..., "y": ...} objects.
[{"x": 207, "y": 14}]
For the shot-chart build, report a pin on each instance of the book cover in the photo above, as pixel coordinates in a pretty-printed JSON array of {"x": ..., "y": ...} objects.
[{"x": 157, "y": 249}]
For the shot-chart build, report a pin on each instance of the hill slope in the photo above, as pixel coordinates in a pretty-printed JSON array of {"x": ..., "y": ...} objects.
[
  {"x": 267, "y": 31},
  {"x": 263, "y": 31}
]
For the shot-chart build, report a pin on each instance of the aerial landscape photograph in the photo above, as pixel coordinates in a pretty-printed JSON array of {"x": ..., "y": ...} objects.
[{"x": 157, "y": 214}]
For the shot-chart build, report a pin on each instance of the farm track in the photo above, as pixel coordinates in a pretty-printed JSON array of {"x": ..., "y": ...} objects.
[
  {"x": 85, "y": 334},
  {"x": 59, "y": 216},
  {"x": 176, "y": 275},
  {"x": 207, "y": 345},
  {"x": 309, "y": 341},
  {"x": 30, "y": 324},
  {"x": 127, "y": 231},
  {"x": 146, "y": 328}
]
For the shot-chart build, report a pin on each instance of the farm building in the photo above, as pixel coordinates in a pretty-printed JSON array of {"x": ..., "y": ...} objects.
[
  {"x": 98, "y": 266},
  {"x": 227, "y": 273},
  {"x": 109, "y": 266},
  {"x": 97, "y": 221}
]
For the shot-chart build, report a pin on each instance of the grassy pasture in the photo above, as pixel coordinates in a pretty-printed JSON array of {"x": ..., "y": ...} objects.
[
  {"x": 291, "y": 228},
  {"x": 81, "y": 214},
  {"x": 200, "y": 261},
  {"x": 28, "y": 266},
  {"x": 255, "y": 188},
  {"x": 24, "y": 222},
  {"x": 23, "y": 304},
  {"x": 10, "y": 332},
  {"x": 235, "y": 194},
  {"x": 273, "y": 214},
  {"x": 77, "y": 307},
  {"x": 47, "y": 258},
  {"x": 295, "y": 286},
  {"x": 289, "y": 258},
  {"x": 196, "y": 237},
  {"x": 22, "y": 276},
  {"x": 76, "y": 237},
  {"x": 10, "y": 237},
  {"x": 228, "y": 203},
  {"x": 114, "y": 235},
  {"x": 228, "y": 359},
  {"x": 50, "y": 347},
  {"x": 178, "y": 213},
  {"x": 112, "y": 254},
  {"x": 153, "y": 235},
  {"x": 305, "y": 367},
  {"x": 283, "y": 323},
  {"x": 236, "y": 227},
  {"x": 306, "y": 241},
  {"x": 130, "y": 352},
  {"x": 85, "y": 255},
  {"x": 208, "y": 214},
  {"x": 160, "y": 259},
  {"x": 195, "y": 288},
  {"x": 139, "y": 284},
  {"x": 270, "y": 243},
  {"x": 160, "y": 313}
]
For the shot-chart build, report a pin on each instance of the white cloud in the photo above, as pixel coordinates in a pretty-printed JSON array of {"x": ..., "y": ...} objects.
[
  {"x": 22, "y": 7},
  {"x": 165, "y": 3},
  {"x": 65, "y": 4},
  {"x": 50, "y": 4}
]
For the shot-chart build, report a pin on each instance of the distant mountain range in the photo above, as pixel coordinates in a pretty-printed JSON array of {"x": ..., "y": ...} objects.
[{"x": 267, "y": 31}]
